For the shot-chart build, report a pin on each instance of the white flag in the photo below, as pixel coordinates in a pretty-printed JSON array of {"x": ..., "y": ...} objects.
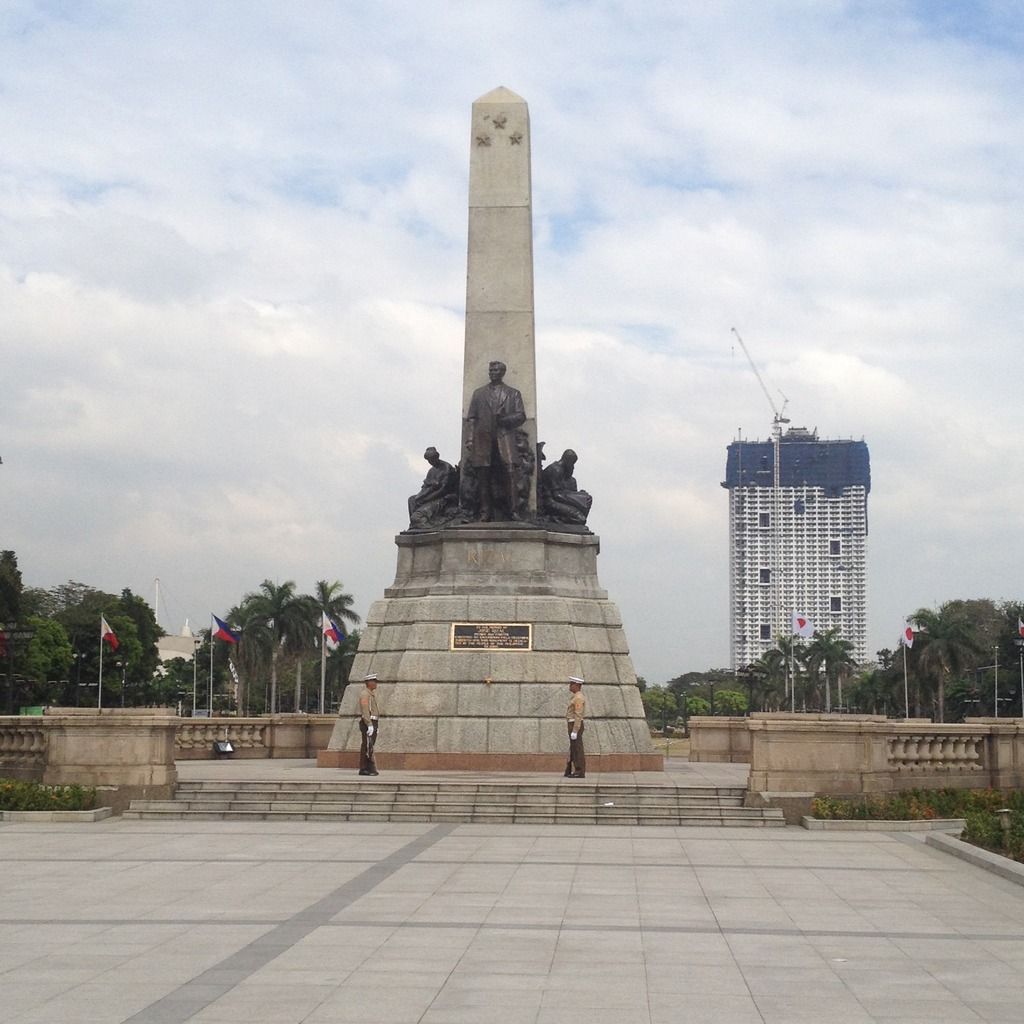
[{"x": 802, "y": 626}]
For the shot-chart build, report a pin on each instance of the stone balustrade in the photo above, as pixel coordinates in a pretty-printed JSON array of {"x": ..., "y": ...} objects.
[
  {"x": 22, "y": 749},
  {"x": 124, "y": 755},
  {"x": 855, "y": 754},
  {"x": 268, "y": 736}
]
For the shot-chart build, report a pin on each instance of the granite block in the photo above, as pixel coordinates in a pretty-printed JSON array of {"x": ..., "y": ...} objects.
[
  {"x": 543, "y": 700},
  {"x": 513, "y": 736},
  {"x": 598, "y": 668},
  {"x": 612, "y": 736},
  {"x": 554, "y": 737},
  {"x": 553, "y": 637},
  {"x": 634, "y": 703},
  {"x": 431, "y": 698},
  {"x": 377, "y": 614},
  {"x": 542, "y": 609},
  {"x": 482, "y": 700},
  {"x": 624, "y": 669},
  {"x": 641, "y": 735},
  {"x": 446, "y": 667},
  {"x": 587, "y": 613},
  {"x": 617, "y": 641},
  {"x": 604, "y": 701},
  {"x": 511, "y": 666},
  {"x": 409, "y": 735},
  {"x": 491, "y": 609},
  {"x": 610, "y": 611},
  {"x": 415, "y": 636},
  {"x": 462, "y": 734},
  {"x": 592, "y": 639}
]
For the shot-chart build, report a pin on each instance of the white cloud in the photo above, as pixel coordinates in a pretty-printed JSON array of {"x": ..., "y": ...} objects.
[{"x": 233, "y": 271}]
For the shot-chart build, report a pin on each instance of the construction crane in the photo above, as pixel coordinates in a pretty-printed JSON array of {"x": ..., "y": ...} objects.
[{"x": 779, "y": 418}]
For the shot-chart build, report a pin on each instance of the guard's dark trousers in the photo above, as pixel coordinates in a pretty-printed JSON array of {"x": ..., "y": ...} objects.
[
  {"x": 577, "y": 757},
  {"x": 366, "y": 746}
]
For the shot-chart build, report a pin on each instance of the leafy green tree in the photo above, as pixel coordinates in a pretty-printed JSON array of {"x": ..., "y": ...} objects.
[
  {"x": 945, "y": 647},
  {"x": 696, "y": 705},
  {"x": 659, "y": 705},
  {"x": 47, "y": 658},
  {"x": 828, "y": 651},
  {"x": 10, "y": 588},
  {"x": 144, "y": 665},
  {"x": 730, "y": 702}
]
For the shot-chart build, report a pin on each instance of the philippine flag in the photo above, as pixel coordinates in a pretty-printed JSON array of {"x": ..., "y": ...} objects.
[
  {"x": 802, "y": 626},
  {"x": 106, "y": 633},
  {"x": 333, "y": 633},
  {"x": 907, "y": 639},
  {"x": 222, "y": 631}
]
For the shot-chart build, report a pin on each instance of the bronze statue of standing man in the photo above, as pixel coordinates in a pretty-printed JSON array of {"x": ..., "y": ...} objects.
[{"x": 495, "y": 414}]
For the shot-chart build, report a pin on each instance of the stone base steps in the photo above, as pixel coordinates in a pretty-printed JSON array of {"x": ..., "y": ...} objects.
[{"x": 574, "y": 802}]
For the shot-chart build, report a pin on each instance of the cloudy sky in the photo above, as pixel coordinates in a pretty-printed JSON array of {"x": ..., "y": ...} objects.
[{"x": 232, "y": 281}]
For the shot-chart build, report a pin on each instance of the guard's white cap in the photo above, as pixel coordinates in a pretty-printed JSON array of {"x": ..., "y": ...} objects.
[
  {"x": 370, "y": 677},
  {"x": 576, "y": 679}
]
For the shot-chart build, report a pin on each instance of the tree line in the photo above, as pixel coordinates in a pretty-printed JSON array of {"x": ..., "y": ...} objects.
[
  {"x": 278, "y": 634},
  {"x": 964, "y": 661}
]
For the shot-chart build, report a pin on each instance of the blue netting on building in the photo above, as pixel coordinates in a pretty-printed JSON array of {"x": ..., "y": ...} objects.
[{"x": 831, "y": 465}]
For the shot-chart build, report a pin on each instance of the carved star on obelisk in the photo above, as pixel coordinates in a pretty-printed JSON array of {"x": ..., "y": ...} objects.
[
  {"x": 515, "y": 138},
  {"x": 499, "y": 121},
  {"x": 483, "y": 140}
]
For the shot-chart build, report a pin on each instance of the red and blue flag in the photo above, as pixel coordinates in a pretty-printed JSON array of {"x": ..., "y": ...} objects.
[{"x": 222, "y": 631}]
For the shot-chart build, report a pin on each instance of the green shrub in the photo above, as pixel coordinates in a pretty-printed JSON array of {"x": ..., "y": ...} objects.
[
  {"x": 31, "y": 796},
  {"x": 976, "y": 806},
  {"x": 916, "y": 804}
]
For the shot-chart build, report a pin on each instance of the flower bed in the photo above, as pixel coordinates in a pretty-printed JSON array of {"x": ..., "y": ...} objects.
[
  {"x": 984, "y": 826},
  {"x": 32, "y": 796}
]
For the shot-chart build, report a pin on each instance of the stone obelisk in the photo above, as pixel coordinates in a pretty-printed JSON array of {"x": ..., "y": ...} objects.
[
  {"x": 474, "y": 642},
  {"x": 499, "y": 266}
]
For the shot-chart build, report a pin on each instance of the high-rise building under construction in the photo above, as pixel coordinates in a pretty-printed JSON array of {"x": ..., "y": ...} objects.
[{"x": 798, "y": 525}]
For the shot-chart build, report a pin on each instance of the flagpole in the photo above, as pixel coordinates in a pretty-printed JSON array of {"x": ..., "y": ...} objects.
[
  {"x": 210, "y": 688},
  {"x": 323, "y": 666},
  {"x": 99, "y": 688},
  {"x": 906, "y": 686},
  {"x": 792, "y": 675}
]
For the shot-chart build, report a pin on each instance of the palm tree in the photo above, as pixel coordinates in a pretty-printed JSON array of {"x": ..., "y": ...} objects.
[
  {"x": 829, "y": 651},
  {"x": 782, "y": 660},
  {"x": 769, "y": 676},
  {"x": 330, "y": 599},
  {"x": 947, "y": 647},
  {"x": 255, "y": 643},
  {"x": 288, "y": 618}
]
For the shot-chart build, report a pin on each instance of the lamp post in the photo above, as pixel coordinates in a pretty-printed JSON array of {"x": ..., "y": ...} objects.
[{"x": 122, "y": 665}]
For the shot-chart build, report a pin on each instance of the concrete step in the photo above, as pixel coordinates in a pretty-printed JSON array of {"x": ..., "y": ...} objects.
[{"x": 535, "y": 803}]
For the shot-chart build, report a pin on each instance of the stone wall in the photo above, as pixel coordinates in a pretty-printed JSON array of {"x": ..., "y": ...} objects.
[
  {"x": 847, "y": 755},
  {"x": 266, "y": 736},
  {"x": 125, "y": 756}
]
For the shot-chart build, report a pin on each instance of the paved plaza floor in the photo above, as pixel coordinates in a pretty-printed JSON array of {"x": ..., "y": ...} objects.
[{"x": 160, "y": 922}]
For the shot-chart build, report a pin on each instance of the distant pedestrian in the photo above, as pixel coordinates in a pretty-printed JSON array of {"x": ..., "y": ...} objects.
[
  {"x": 576, "y": 768},
  {"x": 369, "y": 724}
]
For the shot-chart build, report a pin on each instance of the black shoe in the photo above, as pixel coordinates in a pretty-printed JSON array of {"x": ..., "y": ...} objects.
[
  {"x": 373, "y": 771},
  {"x": 364, "y": 771},
  {"x": 567, "y": 773},
  {"x": 578, "y": 775}
]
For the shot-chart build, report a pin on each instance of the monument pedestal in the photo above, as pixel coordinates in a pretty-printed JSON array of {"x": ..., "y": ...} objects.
[{"x": 445, "y": 706}]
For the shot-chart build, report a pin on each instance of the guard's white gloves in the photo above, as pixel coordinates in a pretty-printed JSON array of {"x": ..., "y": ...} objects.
[
  {"x": 369, "y": 730},
  {"x": 572, "y": 735}
]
